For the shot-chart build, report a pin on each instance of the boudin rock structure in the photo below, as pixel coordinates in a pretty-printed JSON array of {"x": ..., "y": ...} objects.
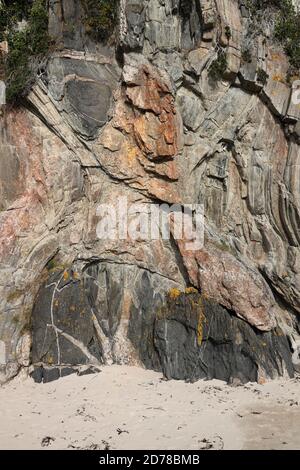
[{"x": 142, "y": 117}]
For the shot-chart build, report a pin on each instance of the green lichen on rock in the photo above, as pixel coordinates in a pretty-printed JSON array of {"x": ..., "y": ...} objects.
[
  {"x": 25, "y": 27},
  {"x": 100, "y": 18}
]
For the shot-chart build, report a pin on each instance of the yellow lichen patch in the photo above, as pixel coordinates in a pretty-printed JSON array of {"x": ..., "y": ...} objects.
[
  {"x": 72, "y": 308},
  {"x": 50, "y": 360},
  {"x": 200, "y": 328},
  {"x": 191, "y": 290},
  {"x": 66, "y": 275},
  {"x": 204, "y": 296},
  {"x": 131, "y": 153},
  {"x": 201, "y": 321},
  {"x": 174, "y": 293},
  {"x": 278, "y": 78},
  {"x": 275, "y": 56},
  {"x": 76, "y": 275}
]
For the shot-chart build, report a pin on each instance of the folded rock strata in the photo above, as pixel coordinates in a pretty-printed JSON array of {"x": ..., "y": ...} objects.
[{"x": 141, "y": 118}]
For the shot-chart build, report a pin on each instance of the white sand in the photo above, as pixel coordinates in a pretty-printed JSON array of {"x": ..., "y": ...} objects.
[{"x": 130, "y": 408}]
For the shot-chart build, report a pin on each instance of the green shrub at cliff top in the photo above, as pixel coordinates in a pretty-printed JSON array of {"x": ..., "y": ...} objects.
[
  {"x": 28, "y": 43},
  {"x": 287, "y": 27},
  {"x": 287, "y": 31},
  {"x": 100, "y": 18}
]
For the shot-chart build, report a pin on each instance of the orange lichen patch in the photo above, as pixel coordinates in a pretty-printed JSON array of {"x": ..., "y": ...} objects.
[
  {"x": 275, "y": 56},
  {"x": 200, "y": 330},
  {"x": 278, "y": 78},
  {"x": 174, "y": 293},
  {"x": 132, "y": 153},
  {"x": 201, "y": 321},
  {"x": 191, "y": 290},
  {"x": 66, "y": 275}
]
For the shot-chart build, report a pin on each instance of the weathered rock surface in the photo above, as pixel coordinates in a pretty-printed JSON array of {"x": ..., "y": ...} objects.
[
  {"x": 196, "y": 338},
  {"x": 143, "y": 119}
]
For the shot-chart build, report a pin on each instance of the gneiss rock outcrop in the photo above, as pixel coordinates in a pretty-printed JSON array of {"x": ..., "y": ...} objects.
[{"x": 144, "y": 117}]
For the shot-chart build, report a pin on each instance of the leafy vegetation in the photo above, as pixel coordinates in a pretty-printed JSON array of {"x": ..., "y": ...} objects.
[
  {"x": 262, "y": 76},
  {"x": 257, "y": 5},
  {"x": 219, "y": 66},
  {"x": 287, "y": 27},
  {"x": 24, "y": 25},
  {"x": 228, "y": 32},
  {"x": 100, "y": 18},
  {"x": 28, "y": 43},
  {"x": 287, "y": 31},
  {"x": 10, "y": 13},
  {"x": 246, "y": 55}
]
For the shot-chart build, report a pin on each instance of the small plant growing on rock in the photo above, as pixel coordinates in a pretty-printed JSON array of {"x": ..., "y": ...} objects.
[
  {"x": 218, "y": 67},
  {"x": 228, "y": 32},
  {"x": 262, "y": 76},
  {"x": 246, "y": 56},
  {"x": 100, "y": 18}
]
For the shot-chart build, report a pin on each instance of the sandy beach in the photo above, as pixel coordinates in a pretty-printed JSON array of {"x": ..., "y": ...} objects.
[{"x": 126, "y": 407}]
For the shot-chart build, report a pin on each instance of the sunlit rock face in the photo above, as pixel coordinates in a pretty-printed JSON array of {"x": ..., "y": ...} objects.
[{"x": 141, "y": 117}]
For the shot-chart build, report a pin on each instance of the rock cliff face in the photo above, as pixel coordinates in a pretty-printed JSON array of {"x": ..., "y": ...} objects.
[{"x": 141, "y": 117}]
